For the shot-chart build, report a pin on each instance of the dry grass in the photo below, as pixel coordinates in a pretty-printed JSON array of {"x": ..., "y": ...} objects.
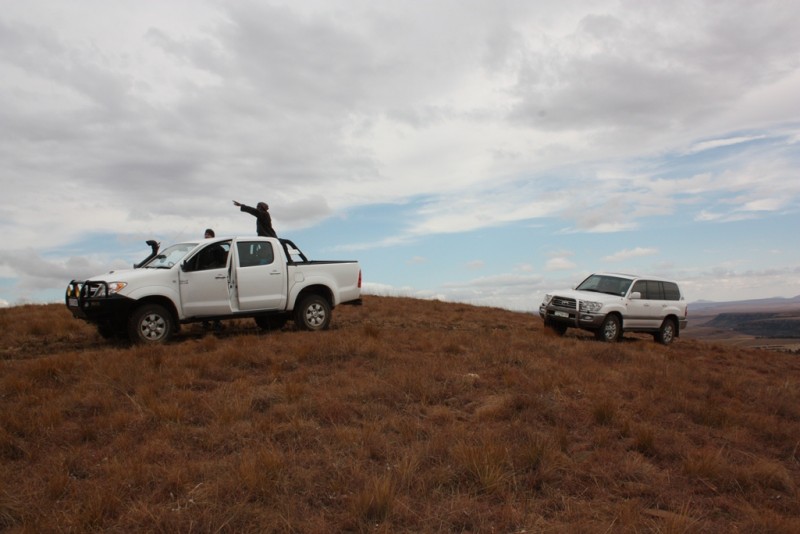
[{"x": 408, "y": 416}]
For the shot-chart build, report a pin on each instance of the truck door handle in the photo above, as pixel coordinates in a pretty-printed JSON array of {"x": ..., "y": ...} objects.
[{"x": 221, "y": 277}]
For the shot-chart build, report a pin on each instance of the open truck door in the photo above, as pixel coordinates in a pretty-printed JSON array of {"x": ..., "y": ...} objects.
[{"x": 260, "y": 276}]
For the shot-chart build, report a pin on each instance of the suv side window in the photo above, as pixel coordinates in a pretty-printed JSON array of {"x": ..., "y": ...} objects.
[
  {"x": 641, "y": 287},
  {"x": 655, "y": 290},
  {"x": 671, "y": 291}
]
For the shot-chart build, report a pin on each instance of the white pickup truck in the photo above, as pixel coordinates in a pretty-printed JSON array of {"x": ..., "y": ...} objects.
[{"x": 266, "y": 278}]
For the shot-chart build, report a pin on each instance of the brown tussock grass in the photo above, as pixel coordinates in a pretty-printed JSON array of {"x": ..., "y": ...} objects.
[{"x": 407, "y": 416}]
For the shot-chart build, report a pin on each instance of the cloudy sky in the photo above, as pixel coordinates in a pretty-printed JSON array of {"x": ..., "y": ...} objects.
[{"x": 473, "y": 151}]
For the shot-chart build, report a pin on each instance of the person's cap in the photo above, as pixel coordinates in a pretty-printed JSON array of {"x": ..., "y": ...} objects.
[{"x": 210, "y": 231}]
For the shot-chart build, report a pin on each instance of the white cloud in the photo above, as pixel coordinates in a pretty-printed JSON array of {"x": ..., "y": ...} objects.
[
  {"x": 627, "y": 254},
  {"x": 148, "y": 119},
  {"x": 559, "y": 264},
  {"x": 717, "y": 143}
]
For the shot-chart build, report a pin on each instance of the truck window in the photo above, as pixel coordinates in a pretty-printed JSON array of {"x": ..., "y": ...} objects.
[
  {"x": 214, "y": 256},
  {"x": 253, "y": 253},
  {"x": 170, "y": 256}
]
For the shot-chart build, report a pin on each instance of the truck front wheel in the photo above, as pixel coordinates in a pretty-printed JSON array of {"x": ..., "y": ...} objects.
[
  {"x": 150, "y": 323},
  {"x": 313, "y": 313}
]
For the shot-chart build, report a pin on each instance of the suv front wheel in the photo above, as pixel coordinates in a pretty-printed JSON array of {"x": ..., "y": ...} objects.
[{"x": 611, "y": 329}]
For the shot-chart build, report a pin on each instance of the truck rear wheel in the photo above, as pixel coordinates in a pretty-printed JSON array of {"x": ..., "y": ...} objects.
[
  {"x": 150, "y": 323},
  {"x": 313, "y": 313}
]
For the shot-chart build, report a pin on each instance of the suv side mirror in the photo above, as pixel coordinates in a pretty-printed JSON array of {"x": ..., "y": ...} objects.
[{"x": 635, "y": 295}]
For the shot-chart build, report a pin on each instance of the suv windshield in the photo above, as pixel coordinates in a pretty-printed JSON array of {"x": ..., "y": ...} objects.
[
  {"x": 170, "y": 256},
  {"x": 610, "y": 285}
]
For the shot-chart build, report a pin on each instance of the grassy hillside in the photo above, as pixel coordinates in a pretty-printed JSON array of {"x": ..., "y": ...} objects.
[{"x": 407, "y": 416}]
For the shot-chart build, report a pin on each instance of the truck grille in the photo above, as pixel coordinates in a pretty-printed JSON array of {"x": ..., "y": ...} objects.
[
  {"x": 84, "y": 290},
  {"x": 563, "y": 302}
]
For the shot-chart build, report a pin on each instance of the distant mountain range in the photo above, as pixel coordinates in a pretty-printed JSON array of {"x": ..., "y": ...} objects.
[
  {"x": 771, "y": 319},
  {"x": 775, "y": 304}
]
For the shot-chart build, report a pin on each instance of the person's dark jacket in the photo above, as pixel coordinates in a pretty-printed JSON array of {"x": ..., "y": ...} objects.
[{"x": 263, "y": 221}]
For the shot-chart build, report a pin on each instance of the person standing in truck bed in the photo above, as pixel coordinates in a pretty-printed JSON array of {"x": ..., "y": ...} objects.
[{"x": 263, "y": 218}]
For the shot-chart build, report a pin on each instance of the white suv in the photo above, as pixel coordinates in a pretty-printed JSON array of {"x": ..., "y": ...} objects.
[{"x": 609, "y": 304}]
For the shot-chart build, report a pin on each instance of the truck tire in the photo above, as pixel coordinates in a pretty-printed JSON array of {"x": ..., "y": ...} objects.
[
  {"x": 666, "y": 333},
  {"x": 610, "y": 330},
  {"x": 271, "y": 322},
  {"x": 150, "y": 323},
  {"x": 313, "y": 313}
]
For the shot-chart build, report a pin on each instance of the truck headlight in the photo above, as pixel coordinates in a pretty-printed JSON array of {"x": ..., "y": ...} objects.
[
  {"x": 589, "y": 306},
  {"x": 113, "y": 287},
  {"x": 547, "y": 299}
]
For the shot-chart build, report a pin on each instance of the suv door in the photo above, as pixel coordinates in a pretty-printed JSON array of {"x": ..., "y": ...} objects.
[
  {"x": 260, "y": 276},
  {"x": 204, "y": 281},
  {"x": 648, "y": 311}
]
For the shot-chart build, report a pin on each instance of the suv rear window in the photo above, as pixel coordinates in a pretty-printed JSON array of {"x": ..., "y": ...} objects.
[
  {"x": 671, "y": 291},
  {"x": 657, "y": 290}
]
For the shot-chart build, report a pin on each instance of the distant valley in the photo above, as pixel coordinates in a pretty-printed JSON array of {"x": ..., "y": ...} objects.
[{"x": 763, "y": 323}]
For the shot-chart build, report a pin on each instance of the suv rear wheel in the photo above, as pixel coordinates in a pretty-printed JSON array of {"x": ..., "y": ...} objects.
[{"x": 666, "y": 333}]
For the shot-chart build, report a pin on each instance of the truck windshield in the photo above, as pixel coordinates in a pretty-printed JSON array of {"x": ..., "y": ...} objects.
[
  {"x": 611, "y": 285},
  {"x": 170, "y": 256}
]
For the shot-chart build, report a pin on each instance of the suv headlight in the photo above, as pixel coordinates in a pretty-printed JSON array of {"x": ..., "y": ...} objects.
[
  {"x": 589, "y": 306},
  {"x": 547, "y": 299}
]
